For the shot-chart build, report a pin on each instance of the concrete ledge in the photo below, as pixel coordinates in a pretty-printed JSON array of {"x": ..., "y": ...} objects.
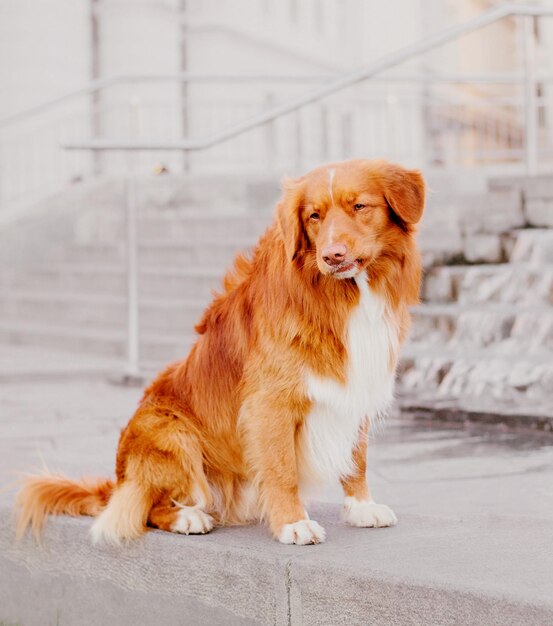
[
  {"x": 512, "y": 418},
  {"x": 424, "y": 571}
]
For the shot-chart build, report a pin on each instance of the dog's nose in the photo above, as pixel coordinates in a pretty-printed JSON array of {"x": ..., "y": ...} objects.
[{"x": 335, "y": 254}]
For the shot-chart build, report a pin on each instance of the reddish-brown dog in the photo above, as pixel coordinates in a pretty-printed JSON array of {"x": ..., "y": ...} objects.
[{"x": 293, "y": 361}]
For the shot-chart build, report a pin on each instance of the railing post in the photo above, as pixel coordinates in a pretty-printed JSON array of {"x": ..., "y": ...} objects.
[
  {"x": 132, "y": 368},
  {"x": 298, "y": 132},
  {"x": 530, "y": 96},
  {"x": 270, "y": 134},
  {"x": 324, "y": 133},
  {"x": 95, "y": 98}
]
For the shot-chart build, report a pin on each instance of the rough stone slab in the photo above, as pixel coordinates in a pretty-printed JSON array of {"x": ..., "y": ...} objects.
[
  {"x": 65, "y": 600},
  {"x": 539, "y": 187},
  {"x": 523, "y": 283},
  {"x": 539, "y": 211},
  {"x": 494, "y": 377},
  {"x": 439, "y": 235},
  {"x": 532, "y": 245},
  {"x": 441, "y": 284},
  {"x": 506, "y": 183},
  {"x": 454, "y": 575},
  {"x": 530, "y": 186},
  {"x": 234, "y": 574},
  {"x": 496, "y": 213},
  {"x": 483, "y": 248},
  {"x": 426, "y": 570}
]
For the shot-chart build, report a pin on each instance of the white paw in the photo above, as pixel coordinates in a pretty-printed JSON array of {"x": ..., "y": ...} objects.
[
  {"x": 301, "y": 533},
  {"x": 192, "y": 521},
  {"x": 368, "y": 514}
]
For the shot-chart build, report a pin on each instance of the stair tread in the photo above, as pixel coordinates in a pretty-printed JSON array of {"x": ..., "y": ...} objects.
[
  {"x": 490, "y": 267},
  {"x": 116, "y": 268},
  {"x": 149, "y": 270},
  {"x": 423, "y": 309},
  {"x": 99, "y": 297},
  {"x": 170, "y": 243},
  {"x": 421, "y": 349},
  {"x": 92, "y": 333},
  {"x": 456, "y": 308},
  {"x": 410, "y": 350}
]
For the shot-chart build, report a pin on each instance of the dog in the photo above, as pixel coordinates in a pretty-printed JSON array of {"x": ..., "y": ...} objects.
[{"x": 294, "y": 360}]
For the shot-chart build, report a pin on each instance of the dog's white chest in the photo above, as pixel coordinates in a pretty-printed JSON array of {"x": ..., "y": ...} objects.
[{"x": 338, "y": 410}]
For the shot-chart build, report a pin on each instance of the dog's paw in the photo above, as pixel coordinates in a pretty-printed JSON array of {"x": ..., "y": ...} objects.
[
  {"x": 302, "y": 533},
  {"x": 368, "y": 514},
  {"x": 192, "y": 521}
]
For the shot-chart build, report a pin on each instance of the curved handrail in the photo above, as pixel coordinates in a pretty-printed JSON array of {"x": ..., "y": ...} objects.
[{"x": 386, "y": 62}]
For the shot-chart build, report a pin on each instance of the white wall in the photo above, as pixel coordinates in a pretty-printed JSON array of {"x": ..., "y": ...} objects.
[{"x": 44, "y": 51}]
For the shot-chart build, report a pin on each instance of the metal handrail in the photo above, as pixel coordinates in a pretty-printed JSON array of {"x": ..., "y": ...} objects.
[
  {"x": 388, "y": 61},
  {"x": 190, "y": 77}
]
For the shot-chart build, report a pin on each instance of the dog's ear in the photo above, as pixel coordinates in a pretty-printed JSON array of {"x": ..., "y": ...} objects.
[
  {"x": 405, "y": 192},
  {"x": 289, "y": 217}
]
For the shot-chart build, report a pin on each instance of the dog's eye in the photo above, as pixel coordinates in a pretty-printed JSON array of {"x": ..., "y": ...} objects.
[
  {"x": 314, "y": 216},
  {"x": 358, "y": 207}
]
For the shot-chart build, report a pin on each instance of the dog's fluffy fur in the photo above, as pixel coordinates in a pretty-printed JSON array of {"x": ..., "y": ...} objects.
[{"x": 293, "y": 360}]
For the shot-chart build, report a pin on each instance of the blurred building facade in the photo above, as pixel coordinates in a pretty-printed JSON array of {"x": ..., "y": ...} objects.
[{"x": 456, "y": 105}]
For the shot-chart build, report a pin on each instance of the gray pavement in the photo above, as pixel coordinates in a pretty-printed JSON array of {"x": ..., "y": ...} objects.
[{"x": 473, "y": 544}]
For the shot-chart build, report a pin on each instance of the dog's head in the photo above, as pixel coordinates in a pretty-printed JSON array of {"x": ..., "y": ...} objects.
[{"x": 348, "y": 214}]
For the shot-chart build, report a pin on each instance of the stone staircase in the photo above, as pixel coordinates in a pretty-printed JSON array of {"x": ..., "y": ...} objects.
[
  {"x": 74, "y": 296},
  {"x": 482, "y": 341},
  {"x": 77, "y": 300}
]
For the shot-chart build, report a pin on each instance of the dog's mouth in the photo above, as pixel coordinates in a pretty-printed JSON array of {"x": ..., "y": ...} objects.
[
  {"x": 348, "y": 266},
  {"x": 347, "y": 269}
]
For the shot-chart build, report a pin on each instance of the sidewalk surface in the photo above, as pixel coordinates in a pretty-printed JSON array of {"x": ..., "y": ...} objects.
[{"x": 473, "y": 544}]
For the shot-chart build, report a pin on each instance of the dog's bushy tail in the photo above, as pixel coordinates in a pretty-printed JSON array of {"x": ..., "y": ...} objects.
[
  {"x": 52, "y": 494},
  {"x": 126, "y": 515}
]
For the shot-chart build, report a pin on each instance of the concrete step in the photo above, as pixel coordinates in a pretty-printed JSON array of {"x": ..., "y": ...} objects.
[
  {"x": 522, "y": 245},
  {"x": 208, "y": 193},
  {"x": 111, "y": 227},
  {"x": 536, "y": 193},
  {"x": 515, "y": 327},
  {"x": 469, "y": 228},
  {"x": 479, "y": 228},
  {"x": 526, "y": 415},
  {"x": 428, "y": 350},
  {"x": 156, "y": 349},
  {"x": 111, "y": 279},
  {"x": 33, "y": 363},
  {"x": 159, "y": 252},
  {"x": 177, "y": 316},
  {"x": 462, "y": 577},
  {"x": 525, "y": 283},
  {"x": 512, "y": 328},
  {"x": 423, "y": 360},
  {"x": 466, "y": 549},
  {"x": 532, "y": 245},
  {"x": 437, "y": 371}
]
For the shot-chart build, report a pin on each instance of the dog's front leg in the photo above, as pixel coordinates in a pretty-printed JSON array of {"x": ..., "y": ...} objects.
[
  {"x": 359, "y": 507},
  {"x": 269, "y": 428}
]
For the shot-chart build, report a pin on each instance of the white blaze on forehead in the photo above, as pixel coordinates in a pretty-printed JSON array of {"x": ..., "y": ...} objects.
[{"x": 331, "y": 174}]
